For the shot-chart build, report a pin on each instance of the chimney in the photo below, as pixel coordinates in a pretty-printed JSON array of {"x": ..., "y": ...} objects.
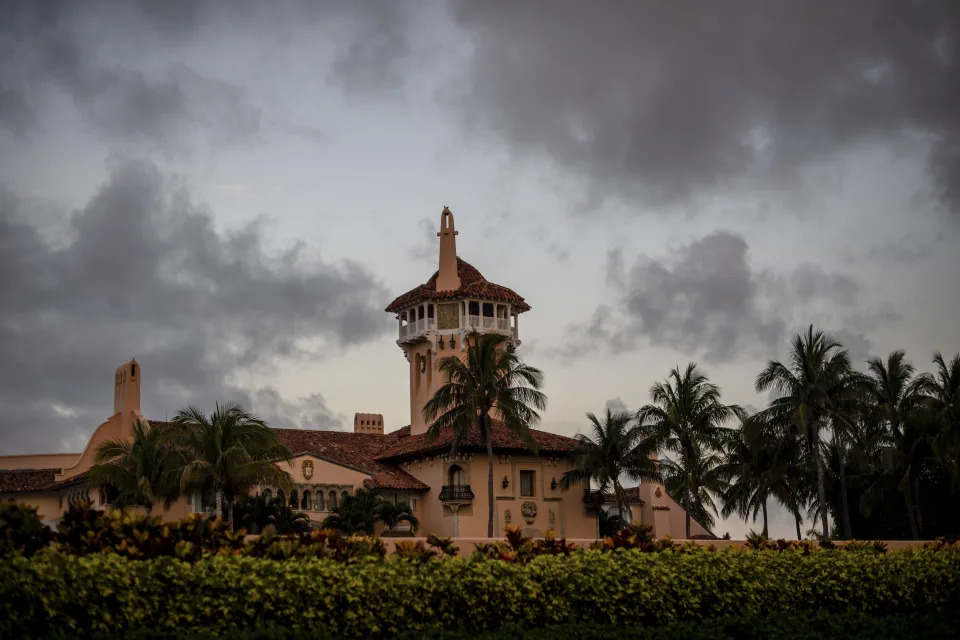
[{"x": 368, "y": 423}]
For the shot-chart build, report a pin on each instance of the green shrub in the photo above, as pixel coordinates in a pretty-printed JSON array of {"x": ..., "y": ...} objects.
[
  {"x": 56, "y": 593},
  {"x": 21, "y": 530}
]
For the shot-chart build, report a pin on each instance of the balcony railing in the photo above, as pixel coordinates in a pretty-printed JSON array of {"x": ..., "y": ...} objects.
[
  {"x": 485, "y": 324},
  {"x": 593, "y": 498},
  {"x": 456, "y": 493}
]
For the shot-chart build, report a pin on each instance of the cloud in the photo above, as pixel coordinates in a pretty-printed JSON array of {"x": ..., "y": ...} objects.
[
  {"x": 142, "y": 271},
  {"x": 663, "y": 101},
  {"x": 168, "y": 108},
  {"x": 707, "y": 300}
]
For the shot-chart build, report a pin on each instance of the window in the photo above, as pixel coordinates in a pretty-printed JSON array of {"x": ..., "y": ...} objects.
[
  {"x": 319, "y": 505},
  {"x": 267, "y": 494},
  {"x": 455, "y": 476},
  {"x": 526, "y": 484},
  {"x": 332, "y": 500},
  {"x": 306, "y": 503}
]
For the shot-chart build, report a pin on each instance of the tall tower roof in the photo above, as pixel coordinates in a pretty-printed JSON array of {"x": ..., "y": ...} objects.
[{"x": 456, "y": 279}]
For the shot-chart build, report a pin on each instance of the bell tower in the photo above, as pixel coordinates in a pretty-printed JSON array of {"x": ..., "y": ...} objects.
[{"x": 435, "y": 318}]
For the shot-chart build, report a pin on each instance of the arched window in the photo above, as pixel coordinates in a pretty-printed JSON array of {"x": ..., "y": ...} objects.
[
  {"x": 343, "y": 496},
  {"x": 319, "y": 504},
  {"x": 306, "y": 502},
  {"x": 267, "y": 495},
  {"x": 455, "y": 476},
  {"x": 332, "y": 501},
  {"x": 280, "y": 496},
  {"x": 294, "y": 502}
]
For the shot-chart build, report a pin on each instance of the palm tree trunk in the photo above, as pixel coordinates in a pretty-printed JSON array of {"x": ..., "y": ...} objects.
[
  {"x": 220, "y": 504},
  {"x": 916, "y": 506},
  {"x": 796, "y": 515},
  {"x": 908, "y": 498},
  {"x": 847, "y": 533},
  {"x": 822, "y": 495},
  {"x": 618, "y": 490},
  {"x": 486, "y": 430},
  {"x": 766, "y": 530}
]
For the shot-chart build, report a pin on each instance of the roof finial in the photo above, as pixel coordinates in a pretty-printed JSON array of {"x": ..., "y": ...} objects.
[{"x": 448, "y": 278}]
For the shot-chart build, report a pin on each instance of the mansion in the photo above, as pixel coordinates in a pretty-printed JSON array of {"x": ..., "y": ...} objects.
[{"x": 447, "y": 491}]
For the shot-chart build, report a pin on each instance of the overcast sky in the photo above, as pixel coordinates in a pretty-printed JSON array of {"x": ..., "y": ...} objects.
[{"x": 233, "y": 192}]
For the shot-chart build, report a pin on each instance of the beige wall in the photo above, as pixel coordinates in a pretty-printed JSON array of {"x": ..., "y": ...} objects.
[
  {"x": 39, "y": 461},
  {"x": 563, "y": 512}
]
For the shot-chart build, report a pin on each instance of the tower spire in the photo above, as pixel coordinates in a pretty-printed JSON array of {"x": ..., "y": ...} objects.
[{"x": 447, "y": 279}]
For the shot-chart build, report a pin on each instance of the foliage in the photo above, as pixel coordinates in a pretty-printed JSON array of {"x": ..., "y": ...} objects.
[
  {"x": 256, "y": 513},
  {"x": 84, "y": 530},
  {"x": 686, "y": 418},
  {"x": 229, "y": 452},
  {"x": 491, "y": 376},
  {"x": 619, "y": 447},
  {"x": 359, "y": 513},
  {"x": 61, "y": 594},
  {"x": 787, "y": 625},
  {"x": 21, "y": 530},
  {"x": 141, "y": 472}
]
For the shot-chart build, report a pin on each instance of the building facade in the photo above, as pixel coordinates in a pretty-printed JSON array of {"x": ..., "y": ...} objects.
[{"x": 447, "y": 490}]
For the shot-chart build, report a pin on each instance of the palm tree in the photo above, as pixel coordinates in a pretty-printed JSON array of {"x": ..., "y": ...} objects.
[
  {"x": 686, "y": 418},
  {"x": 619, "y": 447},
  {"x": 894, "y": 399},
  {"x": 141, "y": 472},
  {"x": 256, "y": 513},
  {"x": 759, "y": 466},
  {"x": 391, "y": 514},
  {"x": 229, "y": 452},
  {"x": 810, "y": 390},
  {"x": 362, "y": 510},
  {"x": 942, "y": 395},
  {"x": 490, "y": 379}
]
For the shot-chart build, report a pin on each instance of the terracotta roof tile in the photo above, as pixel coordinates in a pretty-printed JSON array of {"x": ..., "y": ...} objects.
[
  {"x": 355, "y": 450},
  {"x": 472, "y": 285},
  {"x": 26, "y": 480},
  {"x": 417, "y": 446}
]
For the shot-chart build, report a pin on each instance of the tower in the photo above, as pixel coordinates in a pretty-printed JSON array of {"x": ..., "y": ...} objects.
[{"x": 435, "y": 318}]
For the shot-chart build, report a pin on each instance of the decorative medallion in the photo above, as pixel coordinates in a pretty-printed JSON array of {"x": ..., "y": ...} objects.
[
  {"x": 307, "y": 468},
  {"x": 529, "y": 511},
  {"x": 507, "y": 516},
  {"x": 658, "y": 493},
  {"x": 551, "y": 518}
]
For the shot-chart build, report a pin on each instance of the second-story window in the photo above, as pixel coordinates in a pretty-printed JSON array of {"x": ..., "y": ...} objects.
[{"x": 527, "y": 484}]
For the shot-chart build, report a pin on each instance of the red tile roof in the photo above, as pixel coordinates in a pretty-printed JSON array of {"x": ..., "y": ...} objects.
[
  {"x": 26, "y": 480},
  {"x": 417, "y": 446},
  {"x": 354, "y": 450},
  {"x": 472, "y": 285}
]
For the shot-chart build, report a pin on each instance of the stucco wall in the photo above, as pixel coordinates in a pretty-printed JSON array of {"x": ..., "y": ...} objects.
[
  {"x": 38, "y": 461},
  {"x": 563, "y": 512}
]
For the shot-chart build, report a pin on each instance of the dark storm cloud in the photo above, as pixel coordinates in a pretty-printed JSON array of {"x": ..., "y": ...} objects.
[
  {"x": 143, "y": 272},
  {"x": 102, "y": 54},
  {"x": 76, "y": 48},
  {"x": 663, "y": 100},
  {"x": 706, "y": 300}
]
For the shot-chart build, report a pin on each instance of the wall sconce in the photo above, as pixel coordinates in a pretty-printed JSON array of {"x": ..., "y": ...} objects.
[
  {"x": 452, "y": 343},
  {"x": 553, "y": 484},
  {"x": 506, "y": 482}
]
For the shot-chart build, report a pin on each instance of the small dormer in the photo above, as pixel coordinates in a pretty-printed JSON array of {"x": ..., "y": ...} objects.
[{"x": 368, "y": 423}]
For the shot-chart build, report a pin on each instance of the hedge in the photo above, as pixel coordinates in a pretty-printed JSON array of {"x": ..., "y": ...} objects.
[
  {"x": 776, "y": 626},
  {"x": 55, "y": 593}
]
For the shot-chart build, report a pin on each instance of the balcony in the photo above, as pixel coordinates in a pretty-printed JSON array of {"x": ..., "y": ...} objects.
[
  {"x": 456, "y": 493},
  {"x": 483, "y": 324},
  {"x": 593, "y": 499}
]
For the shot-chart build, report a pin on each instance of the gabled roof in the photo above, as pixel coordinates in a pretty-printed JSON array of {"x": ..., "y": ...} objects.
[
  {"x": 504, "y": 441},
  {"x": 26, "y": 480},
  {"x": 472, "y": 285},
  {"x": 352, "y": 450}
]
